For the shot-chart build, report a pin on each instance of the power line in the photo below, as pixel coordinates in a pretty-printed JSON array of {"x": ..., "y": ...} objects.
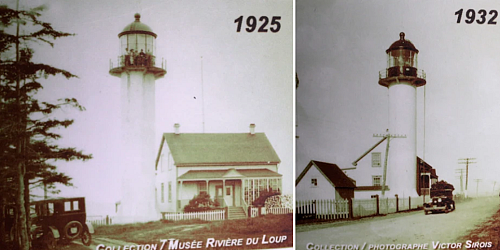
[
  {"x": 477, "y": 185},
  {"x": 466, "y": 161},
  {"x": 461, "y": 171}
]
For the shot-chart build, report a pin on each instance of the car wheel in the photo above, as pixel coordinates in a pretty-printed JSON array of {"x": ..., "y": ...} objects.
[
  {"x": 86, "y": 238},
  {"x": 70, "y": 233},
  {"x": 49, "y": 241}
]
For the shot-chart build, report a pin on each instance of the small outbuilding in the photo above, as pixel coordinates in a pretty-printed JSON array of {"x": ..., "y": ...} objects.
[{"x": 323, "y": 180}]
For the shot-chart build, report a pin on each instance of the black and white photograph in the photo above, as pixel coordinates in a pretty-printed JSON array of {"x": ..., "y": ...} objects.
[
  {"x": 147, "y": 124},
  {"x": 397, "y": 125}
]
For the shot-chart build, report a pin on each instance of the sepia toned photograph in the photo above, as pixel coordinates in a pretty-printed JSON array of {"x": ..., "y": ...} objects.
[
  {"x": 397, "y": 119},
  {"x": 146, "y": 124}
]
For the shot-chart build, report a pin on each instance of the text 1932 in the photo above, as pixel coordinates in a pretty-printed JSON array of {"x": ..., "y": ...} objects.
[{"x": 481, "y": 17}]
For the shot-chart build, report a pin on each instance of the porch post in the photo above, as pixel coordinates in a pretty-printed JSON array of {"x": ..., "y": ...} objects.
[
  {"x": 179, "y": 196},
  {"x": 224, "y": 191},
  {"x": 253, "y": 190},
  {"x": 207, "y": 187}
]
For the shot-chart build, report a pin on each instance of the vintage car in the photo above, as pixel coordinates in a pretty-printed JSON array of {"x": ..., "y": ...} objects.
[
  {"x": 61, "y": 220},
  {"x": 439, "y": 204}
]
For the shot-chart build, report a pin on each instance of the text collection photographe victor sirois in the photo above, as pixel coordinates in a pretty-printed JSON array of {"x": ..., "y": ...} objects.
[{"x": 434, "y": 245}]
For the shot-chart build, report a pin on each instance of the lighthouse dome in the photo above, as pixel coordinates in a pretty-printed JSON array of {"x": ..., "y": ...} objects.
[
  {"x": 136, "y": 27},
  {"x": 402, "y": 43}
]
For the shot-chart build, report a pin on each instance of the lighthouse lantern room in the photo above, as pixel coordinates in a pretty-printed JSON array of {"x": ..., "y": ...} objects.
[
  {"x": 402, "y": 61},
  {"x": 138, "y": 50}
]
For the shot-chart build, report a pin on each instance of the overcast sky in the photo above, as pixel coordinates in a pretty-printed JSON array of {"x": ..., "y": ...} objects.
[
  {"x": 340, "y": 50},
  {"x": 247, "y": 77}
]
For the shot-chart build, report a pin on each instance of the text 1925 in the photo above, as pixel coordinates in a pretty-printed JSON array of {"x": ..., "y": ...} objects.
[
  {"x": 251, "y": 23},
  {"x": 470, "y": 16}
]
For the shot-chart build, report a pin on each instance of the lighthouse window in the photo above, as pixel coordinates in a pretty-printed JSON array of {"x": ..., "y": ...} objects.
[
  {"x": 124, "y": 45},
  {"x": 377, "y": 180},
  {"x": 141, "y": 42},
  {"x": 376, "y": 159},
  {"x": 132, "y": 42},
  {"x": 149, "y": 44}
]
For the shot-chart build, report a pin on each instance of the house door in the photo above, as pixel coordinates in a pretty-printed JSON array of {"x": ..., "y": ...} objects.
[{"x": 229, "y": 196}]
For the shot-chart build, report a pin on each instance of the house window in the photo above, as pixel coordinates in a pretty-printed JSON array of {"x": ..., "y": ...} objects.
[
  {"x": 170, "y": 161},
  {"x": 169, "y": 191},
  {"x": 202, "y": 187},
  {"x": 162, "y": 162},
  {"x": 162, "y": 192},
  {"x": 314, "y": 182},
  {"x": 377, "y": 180},
  {"x": 376, "y": 159}
]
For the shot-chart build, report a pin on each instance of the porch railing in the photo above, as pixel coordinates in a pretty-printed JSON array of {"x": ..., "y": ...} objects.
[{"x": 244, "y": 205}]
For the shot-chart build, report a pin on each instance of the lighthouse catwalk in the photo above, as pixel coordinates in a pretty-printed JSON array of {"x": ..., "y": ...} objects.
[
  {"x": 138, "y": 71},
  {"x": 401, "y": 78}
]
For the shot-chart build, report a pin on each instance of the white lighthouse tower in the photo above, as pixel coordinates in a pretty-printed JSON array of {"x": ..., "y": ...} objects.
[
  {"x": 138, "y": 71},
  {"x": 402, "y": 77}
]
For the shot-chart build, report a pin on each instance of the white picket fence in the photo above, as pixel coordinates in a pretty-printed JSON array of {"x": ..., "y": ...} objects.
[
  {"x": 279, "y": 210},
  {"x": 324, "y": 209},
  {"x": 254, "y": 211},
  {"x": 100, "y": 220},
  {"x": 208, "y": 216}
]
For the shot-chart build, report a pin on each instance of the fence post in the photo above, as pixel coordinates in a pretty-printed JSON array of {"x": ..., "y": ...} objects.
[
  {"x": 397, "y": 203},
  {"x": 226, "y": 213},
  {"x": 409, "y": 203},
  {"x": 107, "y": 220},
  {"x": 378, "y": 204},
  {"x": 351, "y": 212}
]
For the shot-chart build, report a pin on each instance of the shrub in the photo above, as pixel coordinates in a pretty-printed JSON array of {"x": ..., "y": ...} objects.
[
  {"x": 260, "y": 202},
  {"x": 200, "y": 203}
]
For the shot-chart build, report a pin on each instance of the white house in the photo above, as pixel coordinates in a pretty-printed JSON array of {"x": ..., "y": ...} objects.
[
  {"x": 323, "y": 180},
  {"x": 233, "y": 168}
]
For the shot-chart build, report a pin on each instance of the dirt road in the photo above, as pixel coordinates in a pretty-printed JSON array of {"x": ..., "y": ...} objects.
[{"x": 403, "y": 228}]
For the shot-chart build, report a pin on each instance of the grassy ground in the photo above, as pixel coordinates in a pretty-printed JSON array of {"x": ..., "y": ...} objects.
[
  {"x": 486, "y": 232},
  {"x": 272, "y": 227}
]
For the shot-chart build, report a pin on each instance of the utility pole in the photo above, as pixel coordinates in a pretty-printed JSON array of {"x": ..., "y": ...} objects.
[
  {"x": 387, "y": 136},
  {"x": 477, "y": 185},
  {"x": 461, "y": 172},
  {"x": 466, "y": 161}
]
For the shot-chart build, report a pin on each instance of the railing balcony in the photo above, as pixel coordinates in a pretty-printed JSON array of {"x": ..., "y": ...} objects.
[
  {"x": 147, "y": 61},
  {"x": 401, "y": 71},
  {"x": 137, "y": 61},
  {"x": 415, "y": 75}
]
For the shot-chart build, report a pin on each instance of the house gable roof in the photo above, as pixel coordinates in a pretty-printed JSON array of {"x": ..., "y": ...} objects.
[
  {"x": 209, "y": 149},
  {"x": 331, "y": 172}
]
